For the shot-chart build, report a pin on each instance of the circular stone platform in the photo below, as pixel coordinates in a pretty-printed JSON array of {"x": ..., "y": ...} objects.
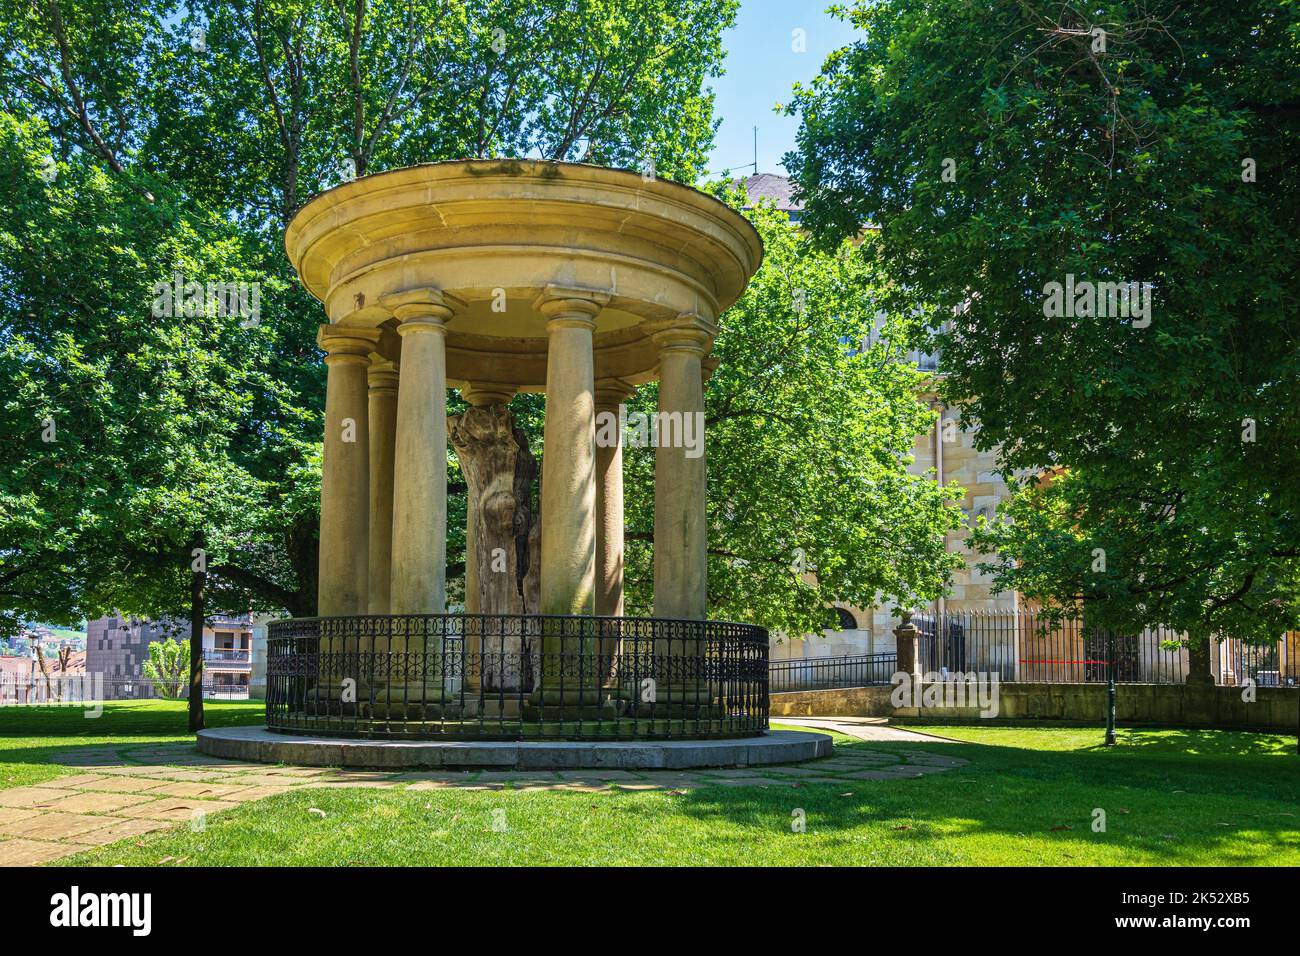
[{"x": 261, "y": 745}]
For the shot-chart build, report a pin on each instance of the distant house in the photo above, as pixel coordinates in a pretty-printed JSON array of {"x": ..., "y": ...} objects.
[
  {"x": 779, "y": 190},
  {"x": 117, "y": 647}
]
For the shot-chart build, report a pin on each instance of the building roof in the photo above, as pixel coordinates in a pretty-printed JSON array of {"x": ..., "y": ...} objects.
[
  {"x": 778, "y": 189},
  {"x": 76, "y": 663}
]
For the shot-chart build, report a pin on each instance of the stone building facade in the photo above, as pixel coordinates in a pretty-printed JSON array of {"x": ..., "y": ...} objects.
[{"x": 117, "y": 647}]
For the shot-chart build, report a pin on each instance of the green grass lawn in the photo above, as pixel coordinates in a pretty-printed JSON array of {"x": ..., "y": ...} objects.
[
  {"x": 1171, "y": 797},
  {"x": 30, "y": 735}
]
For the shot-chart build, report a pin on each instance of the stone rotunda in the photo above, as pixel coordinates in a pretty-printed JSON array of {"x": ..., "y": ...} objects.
[{"x": 497, "y": 277}]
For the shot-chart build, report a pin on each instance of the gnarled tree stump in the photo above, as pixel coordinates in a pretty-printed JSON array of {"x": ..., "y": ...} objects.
[{"x": 503, "y": 540}]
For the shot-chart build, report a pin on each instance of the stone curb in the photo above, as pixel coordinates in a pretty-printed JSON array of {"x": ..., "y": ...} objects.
[{"x": 260, "y": 745}]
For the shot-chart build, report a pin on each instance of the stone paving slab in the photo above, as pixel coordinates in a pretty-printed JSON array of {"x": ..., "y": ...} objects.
[
  {"x": 54, "y": 826},
  {"x": 118, "y": 784},
  {"x": 13, "y": 814},
  {"x": 208, "y": 791},
  {"x": 30, "y": 796},
  {"x": 262, "y": 780},
  {"x": 795, "y": 772},
  {"x": 77, "y": 758},
  {"x": 876, "y": 775},
  {"x": 134, "y": 770},
  {"x": 191, "y": 776},
  {"x": 121, "y": 830},
  {"x": 75, "y": 781},
  {"x": 99, "y": 802},
  {"x": 176, "y": 809},
  {"x": 841, "y": 764},
  {"x": 354, "y": 785},
  {"x": 32, "y": 852}
]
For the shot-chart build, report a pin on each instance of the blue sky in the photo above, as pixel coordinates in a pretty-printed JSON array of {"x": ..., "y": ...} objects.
[{"x": 761, "y": 68}]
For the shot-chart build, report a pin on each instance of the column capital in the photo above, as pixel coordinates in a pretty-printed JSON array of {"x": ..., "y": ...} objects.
[
  {"x": 421, "y": 309},
  {"x": 570, "y": 306},
  {"x": 346, "y": 343},
  {"x": 612, "y": 392},
  {"x": 688, "y": 332},
  {"x": 482, "y": 394},
  {"x": 382, "y": 375}
]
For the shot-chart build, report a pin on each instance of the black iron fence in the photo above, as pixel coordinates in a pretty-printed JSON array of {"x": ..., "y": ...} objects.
[
  {"x": 819, "y": 673},
  {"x": 482, "y": 677},
  {"x": 82, "y": 688},
  {"x": 1026, "y": 646}
]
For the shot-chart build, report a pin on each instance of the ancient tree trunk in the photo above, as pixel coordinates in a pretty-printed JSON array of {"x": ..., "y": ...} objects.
[{"x": 502, "y": 573}]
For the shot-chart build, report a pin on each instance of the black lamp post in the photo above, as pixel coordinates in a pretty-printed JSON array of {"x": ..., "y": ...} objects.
[{"x": 1110, "y": 688}]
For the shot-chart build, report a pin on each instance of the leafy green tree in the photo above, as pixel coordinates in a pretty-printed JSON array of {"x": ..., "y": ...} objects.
[
  {"x": 1005, "y": 147},
  {"x": 810, "y": 421},
  {"x": 176, "y": 152},
  {"x": 168, "y": 666}
]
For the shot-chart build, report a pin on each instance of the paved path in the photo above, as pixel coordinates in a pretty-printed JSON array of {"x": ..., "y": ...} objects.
[
  {"x": 864, "y": 728},
  {"x": 123, "y": 792}
]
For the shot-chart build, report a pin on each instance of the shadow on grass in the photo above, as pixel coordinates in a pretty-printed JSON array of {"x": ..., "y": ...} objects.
[
  {"x": 1235, "y": 808},
  {"x": 135, "y": 718},
  {"x": 60, "y": 735}
]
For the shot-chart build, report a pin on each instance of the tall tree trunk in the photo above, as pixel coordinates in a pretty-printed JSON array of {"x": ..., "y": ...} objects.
[
  {"x": 198, "y": 588},
  {"x": 500, "y": 473},
  {"x": 40, "y": 660}
]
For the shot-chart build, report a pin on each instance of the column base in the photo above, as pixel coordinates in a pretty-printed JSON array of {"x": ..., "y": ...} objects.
[{"x": 588, "y": 702}]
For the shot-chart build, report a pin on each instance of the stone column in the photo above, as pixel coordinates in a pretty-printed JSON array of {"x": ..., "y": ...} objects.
[
  {"x": 419, "y": 563},
  {"x": 568, "y": 516},
  {"x": 610, "y": 395},
  {"x": 569, "y": 670},
  {"x": 342, "y": 586},
  {"x": 383, "y": 435},
  {"x": 681, "y": 530}
]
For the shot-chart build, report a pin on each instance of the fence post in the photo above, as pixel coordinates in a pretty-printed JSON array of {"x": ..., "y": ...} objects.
[{"x": 909, "y": 650}]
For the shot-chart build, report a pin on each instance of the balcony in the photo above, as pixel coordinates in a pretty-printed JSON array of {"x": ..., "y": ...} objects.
[{"x": 225, "y": 658}]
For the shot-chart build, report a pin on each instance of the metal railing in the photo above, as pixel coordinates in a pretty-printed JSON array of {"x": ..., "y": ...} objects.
[
  {"x": 1026, "y": 646},
  {"x": 820, "y": 673},
  {"x": 224, "y": 656},
  {"x": 514, "y": 677},
  {"x": 80, "y": 688}
]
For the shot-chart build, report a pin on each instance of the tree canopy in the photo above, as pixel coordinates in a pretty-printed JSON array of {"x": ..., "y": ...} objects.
[
  {"x": 153, "y": 140},
  {"x": 160, "y": 146},
  {"x": 1009, "y": 150},
  {"x": 810, "y": 420}
]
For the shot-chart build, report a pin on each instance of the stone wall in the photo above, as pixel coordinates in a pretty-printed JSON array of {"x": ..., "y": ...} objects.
[
  {"x": 840, "y": 702},
  {"x": 1275, "y": 708}
]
